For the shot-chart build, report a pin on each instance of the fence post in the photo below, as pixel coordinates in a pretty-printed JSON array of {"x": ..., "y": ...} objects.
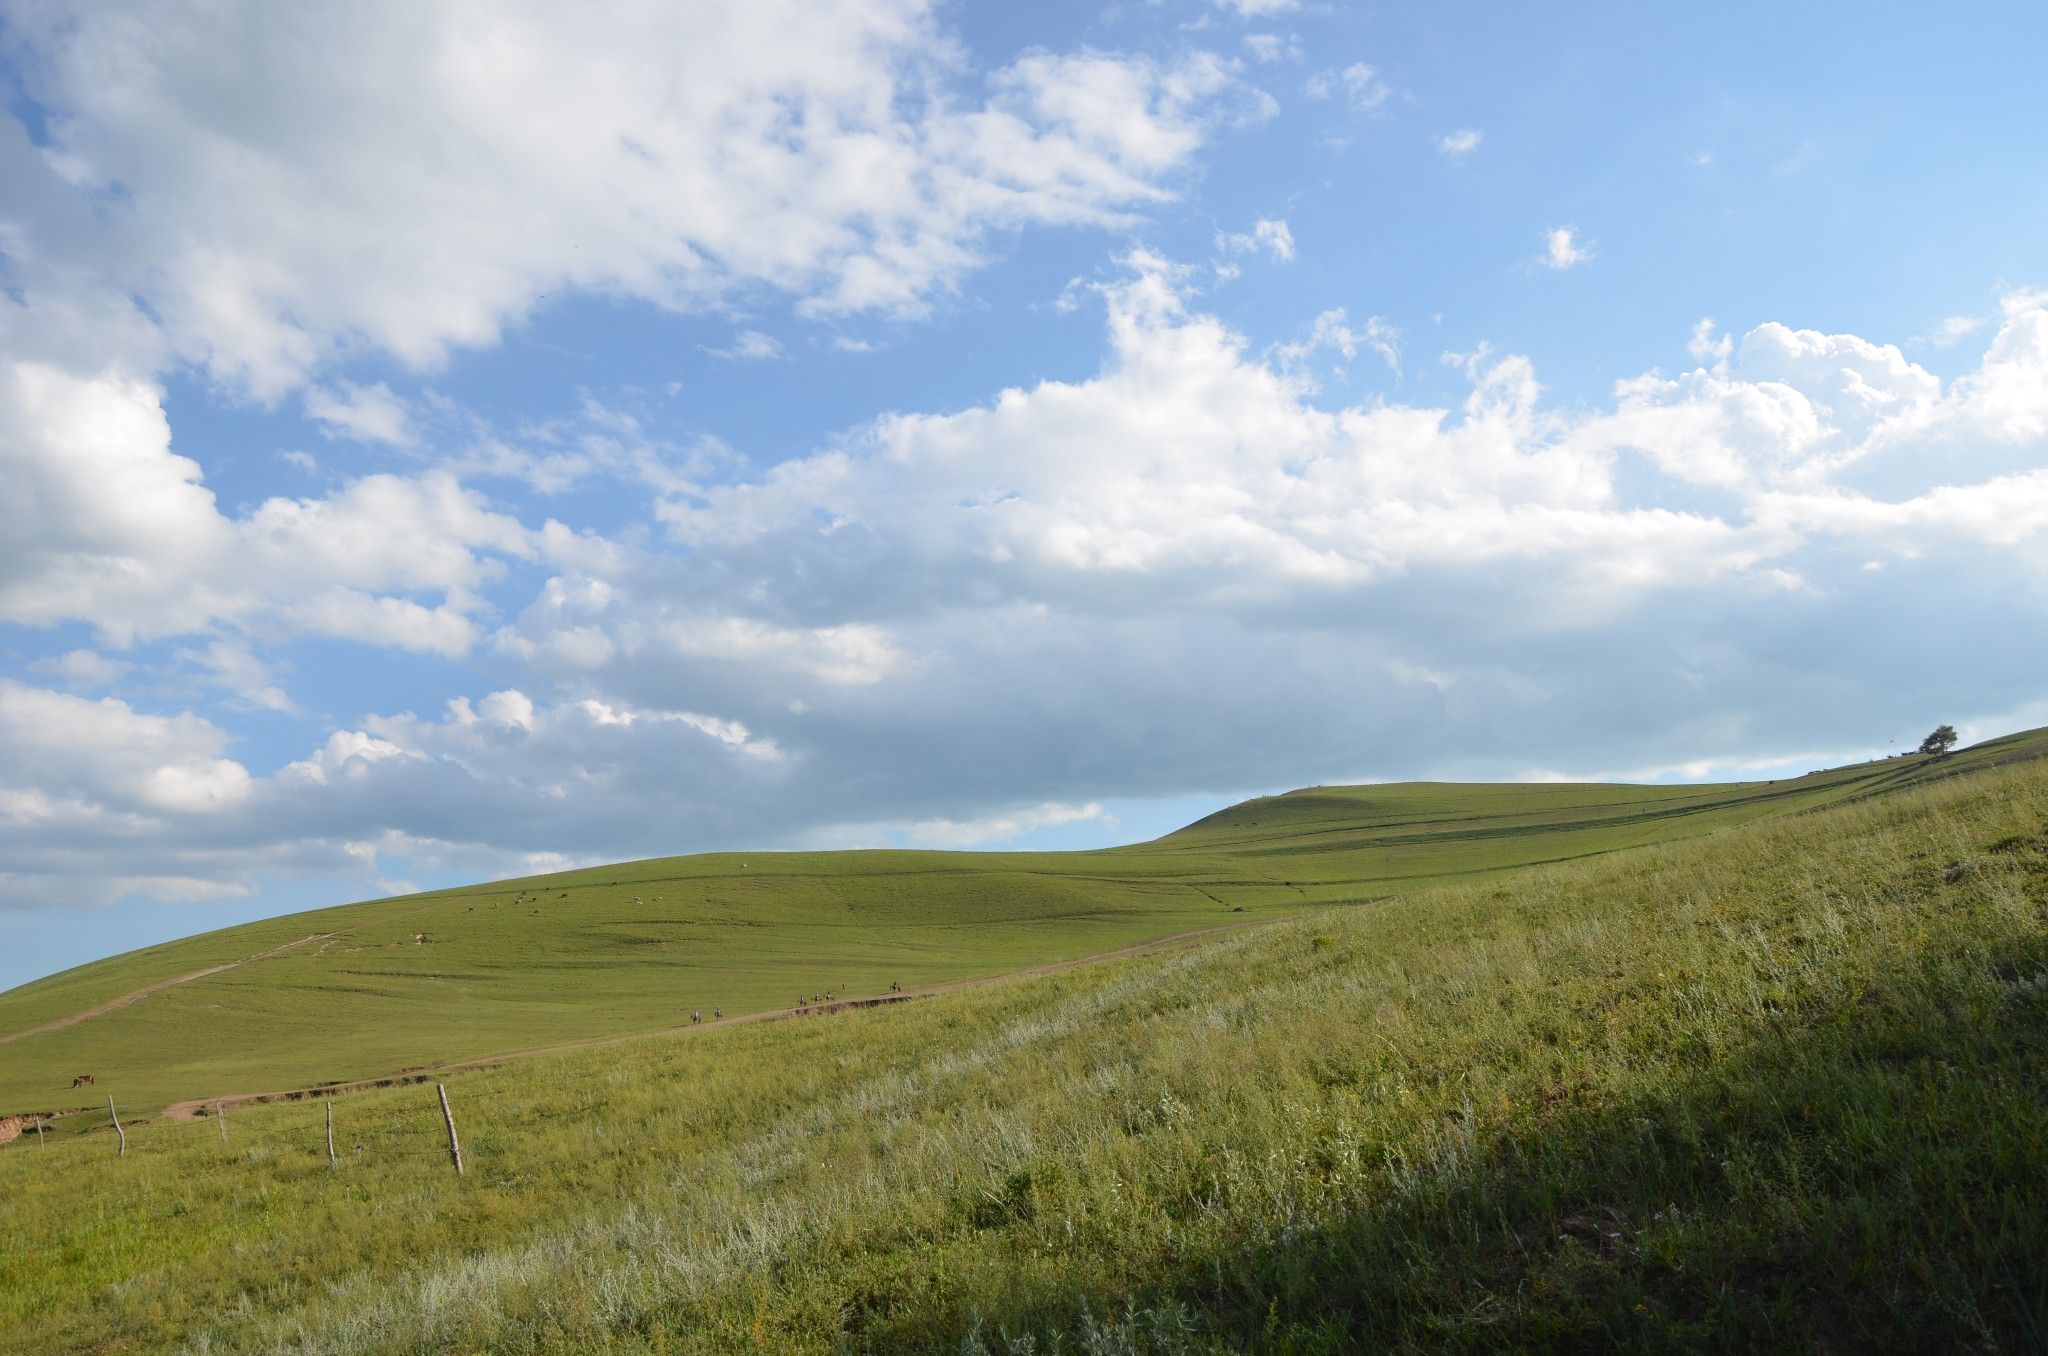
[
  {"x": 330, "y": 1132},
  {"x": 454, "y": 1145},
  {"x": 122, "y": 1152},
  {"x": 220, "y": 1113},
  {"x": 39, "y": 1133}
]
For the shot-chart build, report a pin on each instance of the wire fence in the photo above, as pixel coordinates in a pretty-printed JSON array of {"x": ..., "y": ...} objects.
[{"x": 337, "y": 1127}]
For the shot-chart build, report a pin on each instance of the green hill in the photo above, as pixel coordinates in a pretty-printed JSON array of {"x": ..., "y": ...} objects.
[
  {"x": 1774, "y": 1087},
  {"x": 371, "y": 989}
]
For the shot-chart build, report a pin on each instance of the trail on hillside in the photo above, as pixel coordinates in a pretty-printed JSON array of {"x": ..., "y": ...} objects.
[
  {"x": 138, "y": 995},
  {"x": 191, "y": 1107}
]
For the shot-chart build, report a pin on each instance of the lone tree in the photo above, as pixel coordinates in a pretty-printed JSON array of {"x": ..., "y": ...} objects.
[{"x": 1941, "y": 741}]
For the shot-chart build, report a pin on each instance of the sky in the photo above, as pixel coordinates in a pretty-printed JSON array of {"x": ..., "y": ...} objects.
[{"x": 447, "y": 441}]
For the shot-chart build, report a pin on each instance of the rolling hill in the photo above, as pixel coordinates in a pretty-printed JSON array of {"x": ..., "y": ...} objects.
[
  {"x": 1774, "y": 1087},
  {"x": 371, "y": 989}
]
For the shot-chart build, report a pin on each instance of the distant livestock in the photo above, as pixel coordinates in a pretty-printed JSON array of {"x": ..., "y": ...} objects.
[
  {"x": 81, "y": 1080},
  {"x": 696, "y": 1017}
]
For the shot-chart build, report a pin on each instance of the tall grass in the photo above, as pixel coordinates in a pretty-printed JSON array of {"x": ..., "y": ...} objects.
[{"x": 1776, "y": 1087}]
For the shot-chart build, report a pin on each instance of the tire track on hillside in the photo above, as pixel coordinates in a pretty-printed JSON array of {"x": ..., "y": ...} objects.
[
  {"x": 190, "y": 1108},
  {"x": 138, "y": 995}
]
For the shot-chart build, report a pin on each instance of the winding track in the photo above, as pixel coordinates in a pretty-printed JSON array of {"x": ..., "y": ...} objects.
[
  {"x": 191, "y": 1107},
  {"x": 125, "y": 999}
]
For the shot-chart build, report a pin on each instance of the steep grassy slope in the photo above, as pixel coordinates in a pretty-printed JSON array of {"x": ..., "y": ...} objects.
[
  {"x": 348, "y": 993},
  {"x": 1778, "y": 1087}
]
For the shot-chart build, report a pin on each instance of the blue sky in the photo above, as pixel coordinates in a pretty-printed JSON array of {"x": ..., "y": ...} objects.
[{"x": 443, "y": 442}]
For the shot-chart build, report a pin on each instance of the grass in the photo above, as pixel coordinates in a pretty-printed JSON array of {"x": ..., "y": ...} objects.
[
  {"x": 637, "y": 947},
  {"x": 1776, "y": 1086}
]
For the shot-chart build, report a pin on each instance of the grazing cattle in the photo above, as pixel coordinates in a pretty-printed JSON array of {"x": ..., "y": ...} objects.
[
  {"x": 895, "y": 987},
  {"x": 81, "y": 1080},
  {"x": 696, "y": 1016},
  {"x": 717, "y": 1013}
]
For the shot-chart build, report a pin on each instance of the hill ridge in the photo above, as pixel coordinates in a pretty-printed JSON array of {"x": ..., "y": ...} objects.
[{"x": 613, "y": 950}]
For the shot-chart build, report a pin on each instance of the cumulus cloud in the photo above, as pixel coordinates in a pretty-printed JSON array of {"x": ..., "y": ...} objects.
[
  {"x": 419, "y": 178},
  {"x": 1562, "y": 248},
  {"x": 67, "y": 755},
  {"x": 1334, "y": 331},
  {"x": 1181, "y": 572},
  {"x": 749, "y": 346},
  {"x": 1270, "y": 47},
  {"x": 1459, "y": 143},
  {"x": 1267, "y": 235},
  {"x": 102, "y": 801},
  {"x": 115, "y": 529},
  {"x": 371, "y": 414}
]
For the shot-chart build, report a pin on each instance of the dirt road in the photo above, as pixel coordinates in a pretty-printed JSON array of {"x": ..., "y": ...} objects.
[{"x": 125, "y": 999}]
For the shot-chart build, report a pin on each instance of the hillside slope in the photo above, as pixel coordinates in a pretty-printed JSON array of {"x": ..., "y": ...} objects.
[
  {"x": 1775, "y": 1088},
  {"x": 371, "y": 989}
]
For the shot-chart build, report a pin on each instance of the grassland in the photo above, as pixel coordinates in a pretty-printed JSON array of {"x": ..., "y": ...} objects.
[
  {"x": 345, "y": 994},
  {"x": 1778, "y": 1086}
]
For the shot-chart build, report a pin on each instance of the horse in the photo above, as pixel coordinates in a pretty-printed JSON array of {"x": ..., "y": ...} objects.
[
  {"x": 696, "y": 1017},
  {"x": 81, "y": 1080},
  {"x": 895, "y": 987}
]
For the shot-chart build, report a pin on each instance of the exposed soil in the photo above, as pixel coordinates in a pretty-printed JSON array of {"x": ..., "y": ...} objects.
[{"x": 14, "y": 1127}]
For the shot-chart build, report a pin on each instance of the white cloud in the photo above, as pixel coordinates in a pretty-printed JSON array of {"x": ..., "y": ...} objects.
[
  {"x": 749, "y": 346},
  {"x": 423, "y": 180},
  {"x": 115, "y": 529},
  {"x": 1955, "y": 329},
  {"x": 1333, "y": 330},
  {"x": 1562, "y": 248},
  {"x": 1459, "y": 143},
  {"x": 992, "y": 831},
  {"x": 99, "y": 757},
  {"x": 371, "y": 414},
  {"x": 1269, "y": 235},
  {"x": 232, "y": 664},
  {"x": 1707, "y": 346},
  {"x": 1359, "y": 85},
  {"x": 1180, "y": 572},
  {"x": 1258, "y": 9},
  {"x": 1266, "y": 48}
]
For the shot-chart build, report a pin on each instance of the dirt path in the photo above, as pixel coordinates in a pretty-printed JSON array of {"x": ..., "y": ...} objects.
[
  {"x": 190, "y": 1109},
  {"x": 125, "y": 999}
]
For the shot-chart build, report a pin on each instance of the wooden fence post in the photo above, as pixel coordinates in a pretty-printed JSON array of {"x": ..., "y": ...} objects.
[
  {"x": 330, "y": 1132},
  {"x": 220, "y": 1113},
  {"x": 123, "y": 1151},
  {"x": 39, "y": 1134},
  {"x": 454, "y": 1145}
]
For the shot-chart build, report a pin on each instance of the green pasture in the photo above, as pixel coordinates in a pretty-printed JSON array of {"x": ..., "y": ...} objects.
[
  {"x": 638, "y": 947},
  {"x": 1778, "y": 1086}
]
